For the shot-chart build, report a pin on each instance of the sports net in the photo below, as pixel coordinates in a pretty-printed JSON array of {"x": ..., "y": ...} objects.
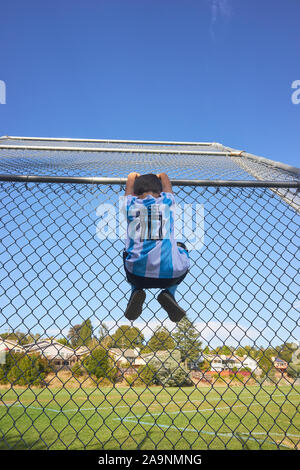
[{"x": 75, "y": 374}]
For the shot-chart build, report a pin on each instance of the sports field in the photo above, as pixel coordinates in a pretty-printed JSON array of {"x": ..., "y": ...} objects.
[{"x": 150, "y": 418}]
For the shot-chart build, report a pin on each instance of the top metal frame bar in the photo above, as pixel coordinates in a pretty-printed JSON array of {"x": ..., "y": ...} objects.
[
  {"x": 118, "y": 150},
  {"x": 266, "y": 161},
  {"x": 109, "y": 141}
]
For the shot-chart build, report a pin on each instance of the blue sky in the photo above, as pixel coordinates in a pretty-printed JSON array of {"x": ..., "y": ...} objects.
[{"x": 205, "y": 70}]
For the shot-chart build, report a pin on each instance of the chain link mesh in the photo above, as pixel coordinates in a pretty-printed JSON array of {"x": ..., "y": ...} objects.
[{"x": 75, "y": 374}]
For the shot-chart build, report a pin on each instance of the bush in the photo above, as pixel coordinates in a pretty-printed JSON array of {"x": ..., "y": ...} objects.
[
  {"x": 132, "y": 380},
  {"x": 239, "y": 377},
  {"x": 148, "y": 374},
  {"x": 21, "y": 369},
  {"x": 105, "y": 382},
  {"x": 97, "y": 363},
  {"x": 293, "y": 371},
  {"x": 77, "y": 370},
  {"x": 172, "y": 374},
  {"x": 145, "y": 376},
  {"x": 3, "y": 375}
]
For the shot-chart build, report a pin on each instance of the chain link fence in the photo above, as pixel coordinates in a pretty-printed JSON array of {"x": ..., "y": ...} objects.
[{"x": 75, "y": 374}]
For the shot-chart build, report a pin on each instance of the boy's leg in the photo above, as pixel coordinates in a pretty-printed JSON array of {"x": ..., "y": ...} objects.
[
  {"x": 172, "y": 290},
  {"x": 167, "y": 301},
  {"x": 135, "y": 303},
  {"x": 133, "y": 288}
]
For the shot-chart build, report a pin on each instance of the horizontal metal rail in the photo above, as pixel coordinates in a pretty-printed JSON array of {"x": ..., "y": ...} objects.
[
  {"x": 265, "y": 161},
  {"x": 175, "y": 182},
  {"x": 108, "y": 141},
  {"x": 226, "y": 151},
  {"x": 118, "y": 150}
]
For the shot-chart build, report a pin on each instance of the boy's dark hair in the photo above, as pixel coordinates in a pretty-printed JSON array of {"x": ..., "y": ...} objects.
[{"x": 147, "y": 183}]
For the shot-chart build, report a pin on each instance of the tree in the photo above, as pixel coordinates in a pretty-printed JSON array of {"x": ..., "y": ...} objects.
[
  {"x": 97, "y": 363},
  {"x": 21, "y": 369},
  {"x": 77, "y": 370},
  {"x": 81, "y": 334},
  {"x": 146, "y": 375},
  {"x": 265, "y": 362},
  {"x": 161, "y": 340},
  {"x": 103, "y": 331},
  {"x": 248, "y": 351},
  {"x": 105, "y": 340},
  {"x": 172, "y": 374},
  {"x": 204, "y": 365},
  {"x": 293, "y": 369},
  {"x": 20, "y": 337},
  {"x": 285, "y": 351},
  {"x": 85, "y": 333},
  {"x": 127, "y": 337},
  {"x": 186, "y": 341},
  {"x": 226, "y": 350},
  {"x": 73, "y": 335},
  {"x": 64, "y": 341}
]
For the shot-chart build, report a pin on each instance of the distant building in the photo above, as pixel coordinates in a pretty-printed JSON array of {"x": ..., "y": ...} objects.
[
  {"x": 58, "y": 355},
  {"x": 124, "y": 356},
  {"x": 221, "y": 362},
  {"x": 7, "y": 345},
  {"x": 159, "y": 358},
  {"x": 133, "y": 358}
]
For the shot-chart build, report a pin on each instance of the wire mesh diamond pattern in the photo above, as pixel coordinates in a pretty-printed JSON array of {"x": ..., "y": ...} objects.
[{"x": 76, "y": 374}]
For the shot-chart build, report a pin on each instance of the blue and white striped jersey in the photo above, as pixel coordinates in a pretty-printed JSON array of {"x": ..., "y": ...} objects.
[{"x": 151, "y": 247}]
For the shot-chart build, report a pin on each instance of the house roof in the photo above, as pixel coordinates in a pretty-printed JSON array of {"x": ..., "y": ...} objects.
[
  {"x": 224, "y": 357},
  {"x": 162, "y": 355},
  {"x": 124, "y": 352},
  {"x": 50, "y": 348},
  {"x": 11, "y": 343},
  {"x": 81, "y": 350}
]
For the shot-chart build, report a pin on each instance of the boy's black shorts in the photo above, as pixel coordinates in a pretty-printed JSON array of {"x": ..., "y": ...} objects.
[{"x": 149, "y": 282}]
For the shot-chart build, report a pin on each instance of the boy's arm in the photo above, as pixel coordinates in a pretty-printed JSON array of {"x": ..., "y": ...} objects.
[
  {"x": 166, "y": 183},
  {"x": 130, "y": 183}
]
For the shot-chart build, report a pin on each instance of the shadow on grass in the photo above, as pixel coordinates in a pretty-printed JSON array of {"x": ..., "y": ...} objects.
[
  {"x": 17, "y": 443},
  {"x": 147, "y": 437}
]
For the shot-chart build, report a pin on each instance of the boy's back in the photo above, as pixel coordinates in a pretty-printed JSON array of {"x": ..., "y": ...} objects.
[{"x": 150, "y": 245}]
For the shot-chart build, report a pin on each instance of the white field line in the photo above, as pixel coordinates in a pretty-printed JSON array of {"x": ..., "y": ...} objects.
[
  {"x": 199, "y": 410},
  {"x": 72, "y": 410},
  {"x": 130, "y": 420},
  {"x": 216, "y": 434},
  {"x": 152, "y": 404},
  {"x": 134, "y": 419}
]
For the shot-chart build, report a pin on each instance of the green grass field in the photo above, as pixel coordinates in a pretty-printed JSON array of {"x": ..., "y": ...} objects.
[{"x": 150, "y": 418}]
